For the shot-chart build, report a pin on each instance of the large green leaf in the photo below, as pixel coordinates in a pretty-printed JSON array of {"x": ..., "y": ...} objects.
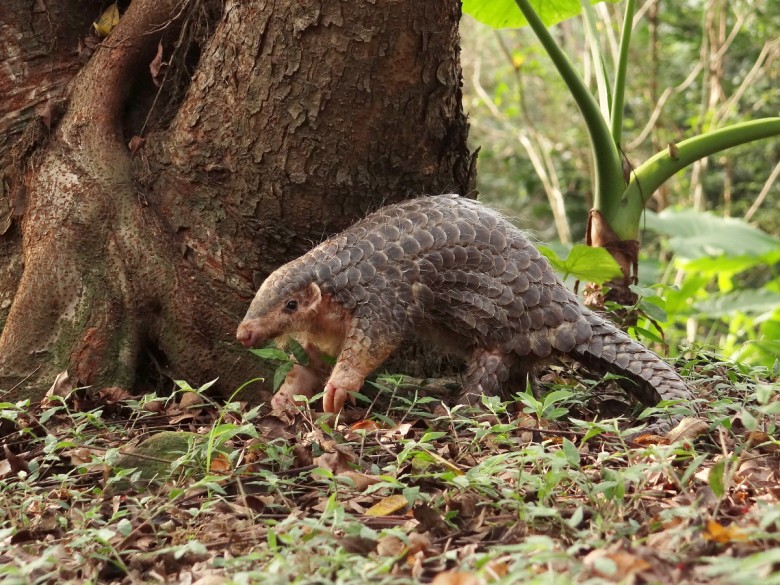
[
  {"x": 729, "y": 265},
  {"x": 695, "y": 234},
  {"x": 506, "y": 14},
  {"x": 754, "y": 301}
]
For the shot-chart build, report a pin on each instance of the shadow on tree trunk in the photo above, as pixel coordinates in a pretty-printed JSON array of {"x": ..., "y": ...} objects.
[{"x": 295, "y": 119}]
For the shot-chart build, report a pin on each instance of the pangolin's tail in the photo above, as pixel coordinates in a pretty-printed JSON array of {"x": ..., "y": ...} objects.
[{"x": 649, "y": 378}]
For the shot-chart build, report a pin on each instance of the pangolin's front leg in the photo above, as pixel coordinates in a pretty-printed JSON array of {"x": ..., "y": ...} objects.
[
  {"x": 301, "y": 381},
  {"x": 369, "y": 342}
]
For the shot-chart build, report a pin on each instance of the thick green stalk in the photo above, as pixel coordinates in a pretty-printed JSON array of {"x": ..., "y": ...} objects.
[
  {"x": 661, "y": 167},
  {"x": 619, "y": 89},
  {"x": 609, "y": 170}
]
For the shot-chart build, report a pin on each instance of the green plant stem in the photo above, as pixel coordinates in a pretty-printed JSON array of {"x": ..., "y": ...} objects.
[
  {"x": 599, "y": 66},
  {"x": 619, "y": 89},
  {"x": 662, "y": 166},
  {"x": 609, "y": 182}
]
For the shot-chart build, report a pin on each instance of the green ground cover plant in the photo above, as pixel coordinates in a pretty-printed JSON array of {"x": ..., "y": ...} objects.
[{"x": 98, "y": 486}]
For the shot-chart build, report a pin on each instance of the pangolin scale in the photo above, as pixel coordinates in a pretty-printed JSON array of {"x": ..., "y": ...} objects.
[{"x": 448, "y": 269}]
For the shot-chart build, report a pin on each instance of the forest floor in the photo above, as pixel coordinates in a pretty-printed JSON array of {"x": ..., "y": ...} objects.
[{"x": 100, "y": 487}]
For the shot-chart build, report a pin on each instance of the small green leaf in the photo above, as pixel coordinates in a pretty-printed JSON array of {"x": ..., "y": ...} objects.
[
  {"x": 207, "y": 385},
  {"x": 299, "y": 353},
  {"x": 125, "y": 527},
  {"x": 576, "y": 518},
  {"x": 432, "y": 436},
  {"x": 271, "y": 353},
  {"x": 653, "y": 311},
  {"x": 281, "y": 373},
  {"x": 555, "y": 413},
  {"x": 647, "y": 334},
  {"x": 716, "y": 478},
  {"x": 556, "y": 396},
  {"x": 571, "y": 453}
]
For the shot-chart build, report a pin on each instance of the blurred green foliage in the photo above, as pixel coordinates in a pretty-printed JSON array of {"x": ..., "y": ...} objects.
[
  {"x": 695, "y": 66},
  {"x": 512, "y": 91}
]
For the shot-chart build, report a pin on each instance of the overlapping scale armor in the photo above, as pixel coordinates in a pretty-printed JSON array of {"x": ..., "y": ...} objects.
[{"x": 457, "y": 271}]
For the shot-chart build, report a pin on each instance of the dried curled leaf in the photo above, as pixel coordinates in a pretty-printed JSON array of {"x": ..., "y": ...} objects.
[
  {"x": 62, "y": 387},
  {"x": 135, "y": 143},
  {"x": 688, "y": 429},
  {"x": 156, "y": 64}
]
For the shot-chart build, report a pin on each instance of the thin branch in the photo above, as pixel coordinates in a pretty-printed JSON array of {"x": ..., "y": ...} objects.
[
  {"x": 668, "y": 92},
  {"x": 769, "y": 53},
  {"x": 764, "y": 192},
  {"x": 546, "y": 172}
]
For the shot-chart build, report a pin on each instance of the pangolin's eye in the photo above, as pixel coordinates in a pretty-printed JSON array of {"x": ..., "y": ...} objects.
[{"x": 291, "y": 306}]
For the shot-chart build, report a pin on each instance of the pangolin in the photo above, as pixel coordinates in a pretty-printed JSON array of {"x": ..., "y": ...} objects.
[{"x": 451, "y": 270}]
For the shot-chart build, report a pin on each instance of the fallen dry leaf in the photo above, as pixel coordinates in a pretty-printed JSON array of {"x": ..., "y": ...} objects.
[
  {"x": 62, "y": 386},
  {"x": 456, "y": 578},
  {"x": 364, "y": 425},
  {"x": 687, "y": 429},
  {"x": 113, "y": 394},
  {"x": 620, "y": 564},
  {"x": 418, "y": 543},
  {"x": 430, "y": 520},
  {"x": 15, "y": 462},
  {"x": 155, "y": 406},
  {"x": 388, "y": 505},
  {"x": 716, "y": 532},
  {"x": 190, "y": 400},
  {"x": 357, "y": 544},
  {"x": 650, "y": 439},
  {"x": 390, "y": 546},
  {"x": 360, "y": 480},
  {"x": 335, "y": 462},
  {"x": 219, "y": 463}
]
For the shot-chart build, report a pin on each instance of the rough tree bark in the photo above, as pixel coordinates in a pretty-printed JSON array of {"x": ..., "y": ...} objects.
[{"x": 275, "y": 124}]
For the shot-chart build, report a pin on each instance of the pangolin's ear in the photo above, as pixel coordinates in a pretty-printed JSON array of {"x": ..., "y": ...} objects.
[{"x": 311, "y": 296}]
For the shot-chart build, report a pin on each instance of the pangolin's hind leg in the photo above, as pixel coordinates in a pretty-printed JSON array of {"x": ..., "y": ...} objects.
[{"x": 489, "y": 373}]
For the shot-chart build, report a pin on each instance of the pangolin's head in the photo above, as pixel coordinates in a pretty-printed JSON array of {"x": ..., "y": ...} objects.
[{"x": 286, "y": 302}]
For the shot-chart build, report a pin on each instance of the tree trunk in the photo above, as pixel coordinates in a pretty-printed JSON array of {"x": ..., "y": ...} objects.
[{"x": 273, "y": 126}]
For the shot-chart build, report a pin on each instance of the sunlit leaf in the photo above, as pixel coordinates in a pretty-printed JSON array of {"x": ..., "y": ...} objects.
[
  {"x": 387, "y": 506},
  {"x": 506, "y": 14},
  {"x": 716, "y": 532},
  {"x": 653, "y": 311},
  {"x": 571, "y": 452},
  {"x": 107, "y": 21}
]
